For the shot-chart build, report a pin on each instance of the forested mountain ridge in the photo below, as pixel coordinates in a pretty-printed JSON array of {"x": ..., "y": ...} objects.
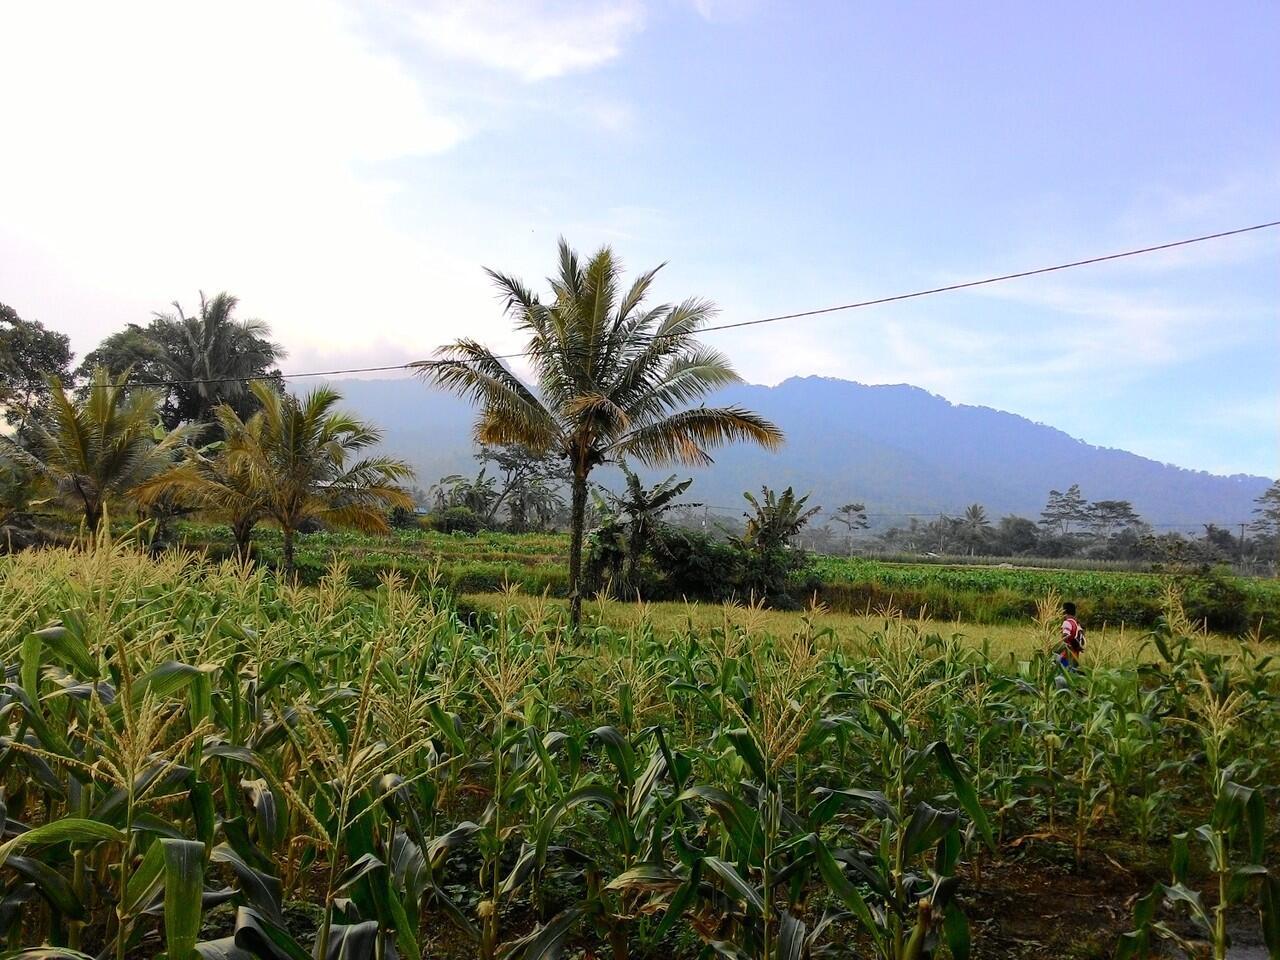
[{"x": 897, "y": 448}]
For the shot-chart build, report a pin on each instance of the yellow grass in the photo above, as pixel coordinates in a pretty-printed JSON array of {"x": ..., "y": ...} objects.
[{"x": 1106, "y": 646}]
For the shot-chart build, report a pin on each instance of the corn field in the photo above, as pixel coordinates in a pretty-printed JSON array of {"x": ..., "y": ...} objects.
[{"x": 200, "y": 761}]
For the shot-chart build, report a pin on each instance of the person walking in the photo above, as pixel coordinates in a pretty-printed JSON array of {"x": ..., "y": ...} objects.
[{"x": 1072, "y": 639}]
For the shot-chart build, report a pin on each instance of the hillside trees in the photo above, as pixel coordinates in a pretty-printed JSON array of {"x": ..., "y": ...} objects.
[{"x": 614, "y": 378}]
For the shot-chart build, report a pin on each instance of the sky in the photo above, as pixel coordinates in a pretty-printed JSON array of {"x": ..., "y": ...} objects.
[{"x": 348, "y": 170}]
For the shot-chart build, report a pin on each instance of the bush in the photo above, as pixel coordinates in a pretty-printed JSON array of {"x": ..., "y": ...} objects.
[
  {"x": 694, "y": 565},
  {"x": 455, "y": 520}
]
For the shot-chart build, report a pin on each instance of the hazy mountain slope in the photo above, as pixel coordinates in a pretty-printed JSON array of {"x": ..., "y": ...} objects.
[{"x": 897, "y": 448}]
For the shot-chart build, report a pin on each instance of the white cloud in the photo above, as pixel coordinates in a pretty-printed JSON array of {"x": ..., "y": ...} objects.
[
  {"x": 534, "y": 40},
  {"x": 722, "y": 11},
  {"x": 156, "y": 148}
]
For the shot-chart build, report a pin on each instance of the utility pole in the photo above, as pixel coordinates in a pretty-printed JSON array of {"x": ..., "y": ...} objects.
[{"x": 1242, "y": 546}]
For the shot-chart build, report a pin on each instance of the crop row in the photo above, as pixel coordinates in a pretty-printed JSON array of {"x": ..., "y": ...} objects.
[{"x": 202, "y": 761}]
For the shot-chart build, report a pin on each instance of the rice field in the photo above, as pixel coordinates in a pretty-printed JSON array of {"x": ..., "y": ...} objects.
[{"x": 201, "y": 761}]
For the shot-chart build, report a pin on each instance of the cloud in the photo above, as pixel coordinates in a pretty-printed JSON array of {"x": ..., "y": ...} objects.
[
  {"x": 160, "y": 148},
  {"x": 534, "y": 40},
  {"x": 725, "y": 11}
]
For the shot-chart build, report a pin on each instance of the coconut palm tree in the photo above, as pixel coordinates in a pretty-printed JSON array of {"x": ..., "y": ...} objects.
[
  {"x": 210, "y": 355},
  {"x": 976, "y": 525},
  {"x": 216, "y": 352},
  {"x": 612, "y": 376},
  {"x": 218, "y": 482},
  {"x": 300, "y": 457},
  {"x": 98, "y": 447}
]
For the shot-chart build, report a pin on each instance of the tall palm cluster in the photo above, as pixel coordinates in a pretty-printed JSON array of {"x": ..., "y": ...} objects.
[
  {"x": 243, "y": 451},
  {"x": 612, "y": 377}
]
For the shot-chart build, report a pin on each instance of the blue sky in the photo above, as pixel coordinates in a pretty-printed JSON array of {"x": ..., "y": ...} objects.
[{"x": 347, "y": 169}]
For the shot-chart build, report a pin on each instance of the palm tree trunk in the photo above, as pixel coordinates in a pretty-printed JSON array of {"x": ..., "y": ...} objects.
[
  {"x": 243, "y": 533},
  {"x": 288, "y": 552},
  {"x": 576, "y": 523}
]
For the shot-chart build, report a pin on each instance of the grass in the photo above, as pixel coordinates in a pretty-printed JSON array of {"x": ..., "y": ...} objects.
[{"x": 1107, "y": 645}]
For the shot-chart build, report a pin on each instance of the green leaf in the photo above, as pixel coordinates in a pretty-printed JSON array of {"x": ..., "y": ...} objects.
[
  {"x": 362, "y": 867},
  {"x": 545, "y": 942},
  {"x": 955, "y": 932},
  {"x": 144, "y": 883},
  {"x": 183, "y": 889},
  {"x": 262, "y": 890},
  {"x": 679, "y": 903},
  {"x": 832, "y": 800},
  {"x": 1179, "y": 856},
  {"x": 965, "y": 792},
  {"x": 265, "y": 940},
  {"x": 68, "y": 830},
  {"x": 1177, "y": 893},
  {"x": 66, "y": 646},
  {"x": 746, "y": 747},
  {"x": 50, "y": 884},
  {"x": 223, "y": 949},
  {"x": 791, "y": 937},
  {"x": 353, "y": 941},
  {"x": 845, "y": 891},
  {"x": 927, "y": 826},
  {"x": 743, "y": 890}
]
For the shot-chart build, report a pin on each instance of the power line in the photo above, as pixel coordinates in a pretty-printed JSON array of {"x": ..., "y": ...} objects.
[{"x": 969, "y": 284}]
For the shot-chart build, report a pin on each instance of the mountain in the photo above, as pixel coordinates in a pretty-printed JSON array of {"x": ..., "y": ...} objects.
[{"x": 898, "y": 449}]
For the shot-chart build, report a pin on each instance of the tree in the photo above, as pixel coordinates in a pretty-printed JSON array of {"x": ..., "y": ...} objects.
[
  {"x": 854, "y": 517},
  {"x": 218, "y": 482},
  {"x": 773, "y": 521},
  {"x": 1015, "y": 535},
  {"x": 1268, "y": 510},
  {"x": 614, "y": 379},
  {"x": 975, "y": 526},
  {"x": 528, "y": 486},
  {"x": 102, "y": 445},
  {"x": 1063, "y": 509},
  {"x": 212, "y": 350},
  {"x": 942, "y": 530},
  {"x": 29, "y": 356},
  {"x": 479, "y": 495},
  {"x": 300, "y": 455},
  {"x": 1105, "y": 517},
  {"x": 642, "y": 510}
]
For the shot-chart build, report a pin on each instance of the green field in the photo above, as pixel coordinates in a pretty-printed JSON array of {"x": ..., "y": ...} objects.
[
  {"x": 535, "y": 563},
  {"x": 203, "y": 762}
]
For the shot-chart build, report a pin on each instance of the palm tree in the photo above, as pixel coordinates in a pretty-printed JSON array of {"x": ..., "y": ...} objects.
[
  {"x": 976, "y": 525},
  {"x": 218, "y": 482},
  {"x": 613, "y": 378},
  {"x": 103, "y": 445},
  {"x": 216, "y": 352},
  {"x": 298, "y": 456}
]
